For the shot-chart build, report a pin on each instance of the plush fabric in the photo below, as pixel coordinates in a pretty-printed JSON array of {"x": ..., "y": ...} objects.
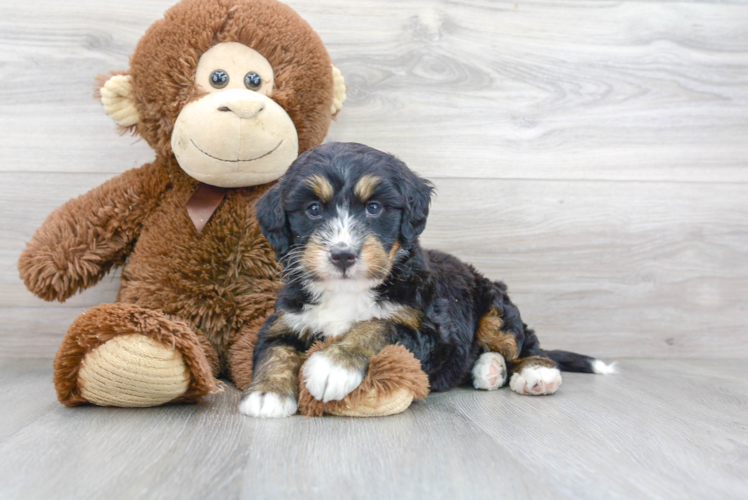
[
  {"x": 166, "y": 58},
  {"x": 225, "y": 154},
  {"x": 271, "y": 144},
  {"x": 340, "y": 91},
  {"x": 133, "y": 370},
  {"x": 116, "y": 96},
  {"x": 96, "y": 327}
]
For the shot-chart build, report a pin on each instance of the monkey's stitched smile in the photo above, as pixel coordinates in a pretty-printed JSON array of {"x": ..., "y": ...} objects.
[{"x": 236, "y": 161}]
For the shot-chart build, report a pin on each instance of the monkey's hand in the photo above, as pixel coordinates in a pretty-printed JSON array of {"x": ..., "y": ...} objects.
[{"x": 87, "y": 236}]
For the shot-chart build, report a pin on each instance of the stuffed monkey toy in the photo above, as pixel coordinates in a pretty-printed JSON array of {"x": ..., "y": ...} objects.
[{"x": 228, "y": 93}]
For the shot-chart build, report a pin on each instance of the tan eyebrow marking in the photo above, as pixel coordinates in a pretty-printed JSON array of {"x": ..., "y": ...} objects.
[
  {"x": 321, "y": 187},
  {"x": 365, "y": 186}
]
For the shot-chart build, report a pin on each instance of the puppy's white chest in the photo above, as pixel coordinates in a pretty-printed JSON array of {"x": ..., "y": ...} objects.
[{"x": 337, "y": 311}]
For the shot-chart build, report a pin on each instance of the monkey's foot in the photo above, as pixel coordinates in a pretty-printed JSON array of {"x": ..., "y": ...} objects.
[
  {"x": 132, "y": 370},
  {"x": 124, "y": 355}
]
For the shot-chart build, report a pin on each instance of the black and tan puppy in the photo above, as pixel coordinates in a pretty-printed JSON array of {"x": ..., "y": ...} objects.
[{"x": 345, "y": 221}]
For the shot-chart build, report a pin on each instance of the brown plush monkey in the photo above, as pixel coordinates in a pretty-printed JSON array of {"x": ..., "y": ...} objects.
[{"x": 228, "y": 93}]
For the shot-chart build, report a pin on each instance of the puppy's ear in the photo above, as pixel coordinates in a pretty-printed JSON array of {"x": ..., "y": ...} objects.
[
  {"x": 273, "y": 223},
  {"x": 417, "y": 192}
]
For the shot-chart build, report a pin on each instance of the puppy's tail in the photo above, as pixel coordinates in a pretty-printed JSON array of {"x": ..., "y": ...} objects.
[{"x": 573, "y": 362}]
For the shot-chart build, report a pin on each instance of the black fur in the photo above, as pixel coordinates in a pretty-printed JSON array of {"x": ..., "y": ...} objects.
[
  {"x": 451, "y": 296},
  {"x": 571, "y": 361},
  {"x": 273, "y": 222}
]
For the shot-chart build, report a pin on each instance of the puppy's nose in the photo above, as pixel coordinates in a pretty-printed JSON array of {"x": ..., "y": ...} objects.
[
  {"x": 342, "y": 257},
  {"x": 243, "y": 108}
]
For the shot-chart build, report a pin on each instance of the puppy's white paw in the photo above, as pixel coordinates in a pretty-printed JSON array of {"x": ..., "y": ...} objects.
[
  {"x": 489, "y": 372},
  {"x": 267, "y": 405},
  {"x": 536, "y": 381},
  {"x": 327, "y": 381}
]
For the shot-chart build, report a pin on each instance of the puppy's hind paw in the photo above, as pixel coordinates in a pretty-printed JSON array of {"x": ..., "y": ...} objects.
[
  {"x": 489, "y": 371},
  {"x": 267, "y": 405},
  {"x": 536, "y": 381}
]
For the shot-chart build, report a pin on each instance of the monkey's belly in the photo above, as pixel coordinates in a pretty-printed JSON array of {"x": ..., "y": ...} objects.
[
  {"x": 215, "y": 281},
  {"x": 216, "y": 309}
]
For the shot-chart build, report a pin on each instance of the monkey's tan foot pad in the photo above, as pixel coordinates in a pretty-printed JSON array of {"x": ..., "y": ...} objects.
[
  {"x": 393, "y": 381},
  {"x": 132, "y": 370},
  {"x": 125, "y": 355},
  {"x": 375, "y": 406}
]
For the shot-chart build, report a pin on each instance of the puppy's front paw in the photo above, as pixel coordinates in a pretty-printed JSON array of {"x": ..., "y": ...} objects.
[
  {"x": 267, "y": 405},
  {"x": 489, "y": 372},
  {"x": 328, "y": 381},
  {"x": 536, "y": 381}
]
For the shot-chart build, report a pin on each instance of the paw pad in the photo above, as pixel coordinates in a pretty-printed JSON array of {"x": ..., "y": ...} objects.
[
  {"x": 489, "y": 372},
  {"x": 536, "y": 381}
]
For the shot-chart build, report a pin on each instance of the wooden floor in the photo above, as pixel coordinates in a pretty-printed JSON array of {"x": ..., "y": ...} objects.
[{"x": 673, "y": 429}]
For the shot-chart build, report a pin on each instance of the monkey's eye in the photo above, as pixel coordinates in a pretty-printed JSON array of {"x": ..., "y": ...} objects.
[
  {"x": 374, "y": 209},
  {"x": 252, "y": 80},
  {"x": 314, "y": 211},
  {"x": 219, "y": 79}
]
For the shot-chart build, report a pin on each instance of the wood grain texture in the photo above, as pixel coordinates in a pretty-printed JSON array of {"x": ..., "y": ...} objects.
[
  {"x": 660, "y": 429},
  {"x": 591, "y": 154},
  {"x": 624, "y": 269},
  {"x": 579, "y": 90}
]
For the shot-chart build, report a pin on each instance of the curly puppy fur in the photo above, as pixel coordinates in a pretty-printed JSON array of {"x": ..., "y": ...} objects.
[{"x": 221, "y": 283}]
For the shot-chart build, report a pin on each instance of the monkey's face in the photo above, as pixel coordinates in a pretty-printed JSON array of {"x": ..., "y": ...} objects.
[
  {"x": 235, "y": 89},
  {"x": 235, "y": 135}
]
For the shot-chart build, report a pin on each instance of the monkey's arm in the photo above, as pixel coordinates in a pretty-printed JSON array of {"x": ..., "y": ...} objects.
[{"x": 87, "y": 236}]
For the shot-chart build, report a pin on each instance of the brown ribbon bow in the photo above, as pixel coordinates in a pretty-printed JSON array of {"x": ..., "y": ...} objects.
[{"x": 203, "y": 203}]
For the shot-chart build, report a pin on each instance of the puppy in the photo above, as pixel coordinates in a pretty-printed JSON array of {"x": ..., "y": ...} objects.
[{"x": 345, "y": 222}]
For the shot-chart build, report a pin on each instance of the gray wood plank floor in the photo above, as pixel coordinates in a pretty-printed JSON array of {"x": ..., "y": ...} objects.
[{"x": 660, "y": 429}]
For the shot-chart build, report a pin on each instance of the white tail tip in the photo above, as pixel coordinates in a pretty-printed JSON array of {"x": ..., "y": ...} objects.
[{"x": 601, "y": 368}]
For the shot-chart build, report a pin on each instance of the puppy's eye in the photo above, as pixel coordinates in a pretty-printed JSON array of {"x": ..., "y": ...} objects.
[
  {"x": 314, "y": 211},
  {"x": 219, "y": 79},
  {"x": 374, "y": 209},
  {"x": 252, "y": 80}
]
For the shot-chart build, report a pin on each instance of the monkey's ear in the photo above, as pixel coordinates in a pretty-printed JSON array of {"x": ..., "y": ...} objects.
[
  {"x": 117, "y": 98},
  {"x": 273, "y": 223},
  {"x": 338, "y": 96}
]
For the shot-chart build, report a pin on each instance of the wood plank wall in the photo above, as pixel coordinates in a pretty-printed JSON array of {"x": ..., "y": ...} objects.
[{"x": 592, "y": 154}]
